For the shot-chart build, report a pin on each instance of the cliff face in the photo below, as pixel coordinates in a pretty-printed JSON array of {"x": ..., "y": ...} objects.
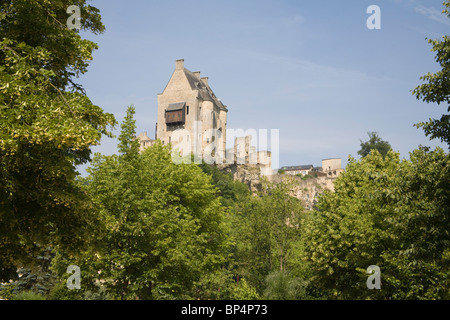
[
  {"x": 250, "y": 175},
  {"x": 306, "y": 190}
]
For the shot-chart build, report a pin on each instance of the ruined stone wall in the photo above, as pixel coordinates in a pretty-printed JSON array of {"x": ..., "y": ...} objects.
[{"x": 306, "y": 190}]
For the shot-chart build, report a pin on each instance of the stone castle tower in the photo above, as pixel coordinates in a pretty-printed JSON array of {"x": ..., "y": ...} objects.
[
  {"x": 188, "y": 103},
  {"x": 193, "y": 119}
]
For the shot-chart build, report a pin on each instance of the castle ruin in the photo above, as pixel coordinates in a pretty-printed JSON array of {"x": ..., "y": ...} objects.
[{"x": 194, "y": 121}]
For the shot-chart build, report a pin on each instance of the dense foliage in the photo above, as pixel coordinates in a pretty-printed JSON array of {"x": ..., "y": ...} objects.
[
  {"x": 45, "y": 132},
  {"x": 389, "y": 213},
  {"x": 43, "y": 24},
  {"x": 436, "y": 88},
  {"x": 163, "y": 224},
  {"x": 374, "y": 143}
]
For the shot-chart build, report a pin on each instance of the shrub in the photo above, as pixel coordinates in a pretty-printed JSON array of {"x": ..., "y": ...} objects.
[{"x": 28, "y": 295}]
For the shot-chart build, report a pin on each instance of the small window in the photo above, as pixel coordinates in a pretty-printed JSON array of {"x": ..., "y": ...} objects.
[{"x": 187, "y": 110}]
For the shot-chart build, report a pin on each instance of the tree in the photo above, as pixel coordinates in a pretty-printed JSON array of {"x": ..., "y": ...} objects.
[
  {"x": 45, "y": 132},
  {"x": 386, "y": 212},
  {"x": 374, "y": 143},
  {"x": 163, "y": 227},
  {"x": 42, "y": 23},
  {"x": 437, "y": 88},
  {"x": 222, "y": 285},
  {"x": 266, "y": 229},
  {"x": 280, "y": 285},
  {"x": 230, "y": 191}
]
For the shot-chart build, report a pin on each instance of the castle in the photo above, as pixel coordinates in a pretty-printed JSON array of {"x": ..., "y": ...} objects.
[{"x": 194, "y": 121}]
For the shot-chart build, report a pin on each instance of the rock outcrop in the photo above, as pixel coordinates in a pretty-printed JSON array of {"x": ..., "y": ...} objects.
[{"x": 305, "y": 189}]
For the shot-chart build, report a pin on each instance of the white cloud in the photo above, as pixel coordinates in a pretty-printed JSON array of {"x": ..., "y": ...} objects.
[{"x": 433, "y": 14}]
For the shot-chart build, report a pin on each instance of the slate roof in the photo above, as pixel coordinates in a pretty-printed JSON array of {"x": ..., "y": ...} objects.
[
  {"x": 302, "y": 167},
  {"x": 176, "y": 106},
  {"x": 204, "y": 91}
]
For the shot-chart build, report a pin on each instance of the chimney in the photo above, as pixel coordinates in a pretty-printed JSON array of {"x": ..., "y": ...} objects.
[
  {"x": 179, "y": 65},
  {"x": 197, "y": 74},
  {"x": 205, "y": 80}
]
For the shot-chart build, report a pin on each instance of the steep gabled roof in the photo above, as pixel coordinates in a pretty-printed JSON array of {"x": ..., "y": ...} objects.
[
  {"x": 200, "y": 85},
  {"x": 192, "y": 78},
  {"x": 204, "y": 91}
]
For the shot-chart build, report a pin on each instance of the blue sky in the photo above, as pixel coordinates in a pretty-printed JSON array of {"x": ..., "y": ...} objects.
[{"x": 311, "y": 69}]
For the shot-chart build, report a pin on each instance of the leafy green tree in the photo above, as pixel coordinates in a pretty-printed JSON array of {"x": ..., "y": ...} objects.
[
  {"x": 374, "y": 143},
  {"x": 437, "y": 88},
  {"x": 44, "y": 134},
  {"x": 389, "y": 213},
  {"x": 266, "y": 229},
  {"x": 281, "y": 285},
  {"x": 45, "y": 131},
  {"x": 28, "y": 295},
  {"x": 222, "y": 285},
  {"x": 163, "y": 222},
  {"x": 230, "y": 191},
  {"x": 43, "y": 24}
]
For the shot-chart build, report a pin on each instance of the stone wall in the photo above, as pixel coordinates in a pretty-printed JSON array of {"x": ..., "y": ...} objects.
[{"x": 306, "y": 190}]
